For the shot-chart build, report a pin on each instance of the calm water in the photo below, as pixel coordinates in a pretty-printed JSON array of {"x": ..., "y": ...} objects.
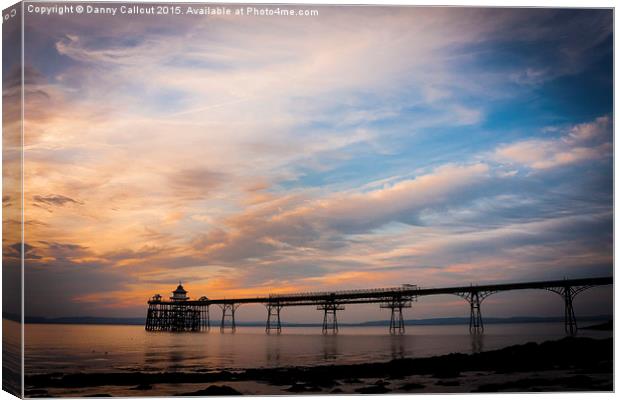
[{"x": 105, "y": 348}]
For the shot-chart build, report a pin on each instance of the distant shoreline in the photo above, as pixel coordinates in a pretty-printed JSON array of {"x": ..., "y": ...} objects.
[{"x": 411, "y": 322}]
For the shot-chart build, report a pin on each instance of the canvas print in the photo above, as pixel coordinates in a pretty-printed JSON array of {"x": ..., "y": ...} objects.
[{"x": 205, "y": 199}]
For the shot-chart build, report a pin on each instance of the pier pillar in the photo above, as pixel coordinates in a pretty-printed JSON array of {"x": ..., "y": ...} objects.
[
  {"x": 228, "y": 316},
  {"x": 165, "y": 317},
  {"x": 205, "y": 319},
  {"x": 330, "y": 320},
  {"x": 273, "y": 318},
  {"x": 475, "y": 297},
  {"x": 149, "y": 319},
  {"x": 475, "y": 318},
  {"x": 396, "y": 305},
  {"x": 570, "y": 321},
  {"x": 569, "y": 293}
]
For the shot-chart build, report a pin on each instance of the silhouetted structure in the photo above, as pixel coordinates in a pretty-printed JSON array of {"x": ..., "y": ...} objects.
[
  {"x": 179, "y": 314},
  {"x": 396, "y": 305},
  {"x": 182, "y": 314},
  {"x": 273, "y": 317},
  {"x": 330, "y": 319}
]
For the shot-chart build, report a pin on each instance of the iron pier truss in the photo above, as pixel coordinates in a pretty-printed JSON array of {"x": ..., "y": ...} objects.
[{"x": 180, "y": 314}]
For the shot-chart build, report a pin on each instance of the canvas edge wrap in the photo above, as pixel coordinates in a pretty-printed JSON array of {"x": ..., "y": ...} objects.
[{"x": 12, "y": 200}]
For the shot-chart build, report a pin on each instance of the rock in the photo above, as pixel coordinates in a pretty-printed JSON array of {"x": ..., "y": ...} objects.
[
  {"x": 214, "y": 390},
  {"x": 34, "y": 393},
  {"x": 143, "y": 386},
  {"x": 30, "y": 392},
  {"x": 301, "y": 387},
  {"x": 448, "y": 383},
  {"x": 297, "y": 388},
  {"x": 443, "y": 374},
  {"x": 411, "y": 386},
  {"x": 374, "y": 389}
]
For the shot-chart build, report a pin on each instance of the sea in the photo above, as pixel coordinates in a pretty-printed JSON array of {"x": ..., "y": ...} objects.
[{"x": 128, "y": 348}]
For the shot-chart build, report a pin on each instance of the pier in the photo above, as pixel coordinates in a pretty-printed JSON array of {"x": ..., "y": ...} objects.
[{"x": 181, "y": 314}]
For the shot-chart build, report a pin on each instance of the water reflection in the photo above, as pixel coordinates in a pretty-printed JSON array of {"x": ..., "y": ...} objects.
[
  {"x": 477, "y": 342},
  {"x": 330, "y": 347},
  {"x": 397, "y": 346},
  {"x": 63, "y": 348},
  {"x": 273, "y": 349},
  {"x": 175, "y": 359}
]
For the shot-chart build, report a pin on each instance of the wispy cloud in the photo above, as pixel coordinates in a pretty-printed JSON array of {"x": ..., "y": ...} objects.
[
  {"x": 583, "y": 142},
  {"x": 54, "y": 200}
]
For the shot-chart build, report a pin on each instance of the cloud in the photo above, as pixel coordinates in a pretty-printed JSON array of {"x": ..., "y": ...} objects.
[
  {"x": 196, "y": 181},
  {"x": 400, "y": 202},
  {"x": 583, "y": 142},
  {"x": 597, "y": 131},
  {"x": 281, "y": 228},
  {"x": 125, "y": 257},
  {"x": 466, "y": 115},
  {"x": 530, "y": 76},
  {"x": 347, "y": 151},
  {"x": 60, "y": 252},
  {"x": 55, "y": 200}
]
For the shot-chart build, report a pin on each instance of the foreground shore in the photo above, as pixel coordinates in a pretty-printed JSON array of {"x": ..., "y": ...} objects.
[{"x": 570, "y": 364}]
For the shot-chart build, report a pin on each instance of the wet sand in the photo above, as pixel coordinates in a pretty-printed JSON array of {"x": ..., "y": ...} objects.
[{"x": 570, "y": 364}]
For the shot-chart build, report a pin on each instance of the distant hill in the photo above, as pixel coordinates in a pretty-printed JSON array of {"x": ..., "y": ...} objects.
[
  {"x": 426, "y": 321},
  {"x": 86, "y": 320}
]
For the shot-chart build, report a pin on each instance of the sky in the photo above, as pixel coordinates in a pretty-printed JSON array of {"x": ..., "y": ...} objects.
[{"x": 363, "y": 147}]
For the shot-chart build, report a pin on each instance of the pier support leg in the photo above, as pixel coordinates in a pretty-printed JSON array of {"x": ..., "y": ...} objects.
[
  {"x": 397, "y": 322},
  {"x": 475, "y": 318},
  {"x": 205, "y": 319},
  {"x": 570, "y": 321},
  {"x": 149, "y": 319},
  {"x": 273, "y": 318},
  {"x": 330, "y": 320},
  {"x": 228, "y": 315},
  {"x": 475, "y": 297},
  {"x": 569, "y": 293}
]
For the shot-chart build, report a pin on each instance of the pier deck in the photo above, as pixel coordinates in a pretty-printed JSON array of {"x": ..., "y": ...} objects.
[{"x": 182, "y": 314}]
